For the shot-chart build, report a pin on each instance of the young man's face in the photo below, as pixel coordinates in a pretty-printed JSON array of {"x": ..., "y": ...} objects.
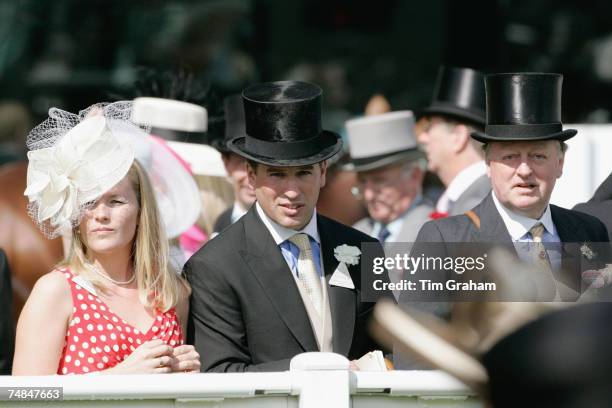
[
  {"x": 523, "y": 174},
  {"x": 237, "y": 170},
  {"x": 434, "y": 137},
  {"x": 288, "y": 195}
]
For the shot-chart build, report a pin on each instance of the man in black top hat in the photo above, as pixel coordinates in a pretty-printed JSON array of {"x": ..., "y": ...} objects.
[
  {"x": 457, "y": 109},
  {"x": 282, "y": 280},
  {"x": 235, "y": 165},
  {"x": 524, "y": 152}
]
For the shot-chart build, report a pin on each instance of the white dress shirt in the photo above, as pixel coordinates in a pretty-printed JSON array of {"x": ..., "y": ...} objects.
[
  {"x": 518, "y": 227},
  {"x": 281, "y": 234},
  {"x": 460, "y": 184}
]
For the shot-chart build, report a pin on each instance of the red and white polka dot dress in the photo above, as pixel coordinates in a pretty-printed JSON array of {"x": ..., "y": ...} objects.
[{"x": 98, "y": 339}]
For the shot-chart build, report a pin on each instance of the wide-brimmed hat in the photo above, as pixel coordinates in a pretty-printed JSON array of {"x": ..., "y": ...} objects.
[
  {"x": 74, "y": 159},
  {"x": 380, "y": 140},
  {"x": 172, "y": 120},
  {"x": 232, "y": 125},
  {"x": 523, "y": 107},
  {"x": 283, "y": 125},
  {"x": 182, "y": 125},
  {"x": 460, "y": 94},
  {"x": 176, "y": 192}
]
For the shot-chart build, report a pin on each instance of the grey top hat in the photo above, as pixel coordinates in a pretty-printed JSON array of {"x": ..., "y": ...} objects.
[{"x": 380, "y": 140}]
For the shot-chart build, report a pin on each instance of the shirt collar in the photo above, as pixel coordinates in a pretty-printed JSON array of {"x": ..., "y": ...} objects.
[
  {"x": 280, "y": 234},
  {"x": 519, "y": 225},
  {"x": 460, "y": 183},
  {"x": 237, "y": 212}
]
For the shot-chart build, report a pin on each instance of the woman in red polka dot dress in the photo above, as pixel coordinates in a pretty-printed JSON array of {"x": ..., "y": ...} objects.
[{"x": 114, "y": 306}]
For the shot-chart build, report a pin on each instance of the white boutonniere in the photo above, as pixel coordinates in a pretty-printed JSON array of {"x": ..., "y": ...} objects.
[
  {"x": 347, "y": 254},
  {"x": 587, "y": 252}
]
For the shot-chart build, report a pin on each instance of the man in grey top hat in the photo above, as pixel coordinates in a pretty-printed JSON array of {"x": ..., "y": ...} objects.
[
  {"x": 457, "y": 108},
  {"x": 390, "y": 170}
]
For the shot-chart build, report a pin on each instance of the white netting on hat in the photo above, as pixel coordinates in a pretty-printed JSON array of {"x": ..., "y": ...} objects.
[{"x": 73, "y": 160}]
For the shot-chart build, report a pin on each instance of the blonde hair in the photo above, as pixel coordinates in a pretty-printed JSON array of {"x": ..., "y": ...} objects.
[{"x": 158, "y": 285}]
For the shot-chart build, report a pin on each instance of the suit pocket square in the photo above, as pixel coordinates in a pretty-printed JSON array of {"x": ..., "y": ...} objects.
[{"x": 341, "y": 277}]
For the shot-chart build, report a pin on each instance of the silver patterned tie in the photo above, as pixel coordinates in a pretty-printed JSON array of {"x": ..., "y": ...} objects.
[
  {"x": 542, "y": 260},
  {"x": 307, "y": 270}
]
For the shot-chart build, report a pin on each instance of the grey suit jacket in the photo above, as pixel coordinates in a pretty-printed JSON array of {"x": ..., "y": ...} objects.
[
  {"x": 413, "y": 221},
  {"x": 246, "y": 311},
  {"x": 472, "y": 196}
]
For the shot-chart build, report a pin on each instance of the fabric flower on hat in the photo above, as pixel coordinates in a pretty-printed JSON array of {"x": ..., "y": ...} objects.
[{"x": 72, "y": 170}]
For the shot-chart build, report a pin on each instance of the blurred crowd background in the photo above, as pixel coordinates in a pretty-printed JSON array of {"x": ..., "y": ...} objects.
[{"x": 71, "y": 54}]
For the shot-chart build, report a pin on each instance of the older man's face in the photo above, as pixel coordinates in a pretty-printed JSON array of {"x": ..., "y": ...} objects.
[
  {"x": 523, "y": 174},
  {"x": 389, "y": 192}
]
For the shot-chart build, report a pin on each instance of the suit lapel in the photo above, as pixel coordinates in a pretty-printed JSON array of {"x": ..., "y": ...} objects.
[
  {"x": 341, "y": 300},
  {"x": 267, "y": 263},
  {"x": 492, "y": 227}
]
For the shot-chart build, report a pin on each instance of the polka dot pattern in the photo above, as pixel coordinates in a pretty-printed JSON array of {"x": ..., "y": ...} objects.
[{"x": 101, "y": 340}]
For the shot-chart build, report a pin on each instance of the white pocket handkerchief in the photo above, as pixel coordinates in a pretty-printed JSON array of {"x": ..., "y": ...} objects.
[{"x": 341, "y": 277}]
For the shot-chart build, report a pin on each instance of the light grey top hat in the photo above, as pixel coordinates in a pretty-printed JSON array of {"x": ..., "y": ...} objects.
[{"x": 380, "y": 140}]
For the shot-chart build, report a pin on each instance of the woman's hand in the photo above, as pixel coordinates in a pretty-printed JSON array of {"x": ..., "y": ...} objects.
[
  {"x": 186, "y": 359},
  {"x": 152, "y": 357}
]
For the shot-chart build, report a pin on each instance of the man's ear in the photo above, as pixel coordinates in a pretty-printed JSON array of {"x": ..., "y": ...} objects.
[
  {"x": 461, "y": 138},
  {"x": 251, "y": 173},
  {"x": 323, "y": 165},
  {"x": 226, "y": 158},
  {"x": 561, "y": 162}
]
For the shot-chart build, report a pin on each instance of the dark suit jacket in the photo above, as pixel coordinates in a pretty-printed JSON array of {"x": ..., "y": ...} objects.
[
  {"x": 224, "y": 220},
  {"x": 600, "y": 205},
  {"x": 7, "y": 327},
  {"x": 246, "y": 311},
  {"x": 572, "y": 227}
]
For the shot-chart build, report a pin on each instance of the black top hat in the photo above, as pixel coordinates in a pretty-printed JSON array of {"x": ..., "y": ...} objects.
[
  {"x": 459, "y": 93},
  {"x": 560, "y": 360},
  {"x": 283, "y": 125},
  {"x": 232, "y": 124},
  {"x": 523, "y": 106}
]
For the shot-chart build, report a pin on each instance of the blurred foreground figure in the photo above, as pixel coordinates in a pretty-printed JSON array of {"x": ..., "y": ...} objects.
[{"x": 561, "y": 359}]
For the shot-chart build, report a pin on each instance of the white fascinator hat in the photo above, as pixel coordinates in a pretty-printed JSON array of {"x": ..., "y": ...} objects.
[{"x": 74, "y": 159}]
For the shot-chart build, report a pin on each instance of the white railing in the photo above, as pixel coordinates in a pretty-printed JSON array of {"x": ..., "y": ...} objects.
[{"x": 315, "y": 380}]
